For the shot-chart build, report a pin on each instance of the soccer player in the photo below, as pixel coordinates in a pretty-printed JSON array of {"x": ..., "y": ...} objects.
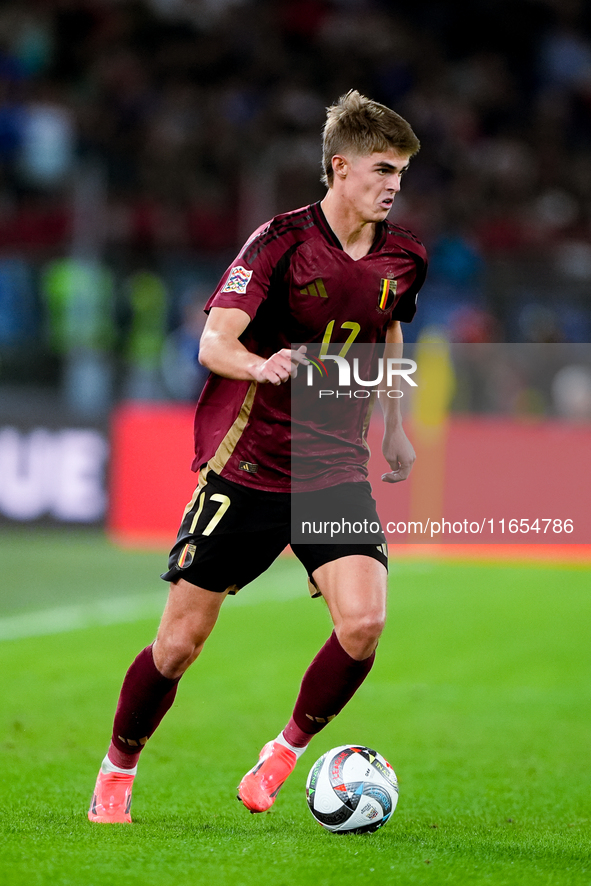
[{"x": 330, "y": 273}]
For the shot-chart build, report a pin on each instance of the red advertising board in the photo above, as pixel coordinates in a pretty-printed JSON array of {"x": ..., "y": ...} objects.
[{"x": 150, "y": 478}]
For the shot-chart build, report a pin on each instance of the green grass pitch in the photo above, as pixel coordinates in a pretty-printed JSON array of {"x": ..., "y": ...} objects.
[{"x": 480, "y": 698}]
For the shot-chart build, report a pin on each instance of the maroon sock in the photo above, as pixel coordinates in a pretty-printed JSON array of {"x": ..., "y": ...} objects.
[
  {"x": 330, "y": 681},
  {"x": 146, "y": 695}
]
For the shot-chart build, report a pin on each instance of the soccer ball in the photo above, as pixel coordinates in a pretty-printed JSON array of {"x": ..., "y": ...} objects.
[{"x": 352, "y": 789}]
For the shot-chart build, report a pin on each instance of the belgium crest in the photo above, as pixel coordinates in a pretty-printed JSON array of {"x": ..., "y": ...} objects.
[{"x": 388, "y": 286}]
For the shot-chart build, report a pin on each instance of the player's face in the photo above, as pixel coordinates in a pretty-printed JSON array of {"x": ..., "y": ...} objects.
[{"x": 371, "y": 183}]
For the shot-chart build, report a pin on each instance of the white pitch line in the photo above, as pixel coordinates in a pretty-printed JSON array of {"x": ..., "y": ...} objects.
[
  {"x": 134, "y": 607},
  {"x": 116, "y": 610},
  {"x": 82, "y": 615}
]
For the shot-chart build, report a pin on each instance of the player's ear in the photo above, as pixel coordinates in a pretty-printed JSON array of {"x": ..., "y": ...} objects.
[{"x": 339, "y": 166}]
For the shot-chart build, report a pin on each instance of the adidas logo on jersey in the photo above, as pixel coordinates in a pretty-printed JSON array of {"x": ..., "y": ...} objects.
[
  {"x": 316, "y": 288},
  {"x": 249, "y": 467}
]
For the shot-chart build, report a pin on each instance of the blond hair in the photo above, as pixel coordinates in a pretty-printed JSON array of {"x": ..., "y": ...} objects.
[{"x": 358, "y": 125}]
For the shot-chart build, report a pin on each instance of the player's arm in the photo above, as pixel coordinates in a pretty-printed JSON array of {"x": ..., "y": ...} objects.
[
  {"x": 396, "y": 446},
  {"x": 222, "y": 352}
]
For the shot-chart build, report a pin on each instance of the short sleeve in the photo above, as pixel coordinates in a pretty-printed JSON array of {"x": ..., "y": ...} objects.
[
  {"x": 245, "y": 284},
  {"x": 406, "y": 308}
]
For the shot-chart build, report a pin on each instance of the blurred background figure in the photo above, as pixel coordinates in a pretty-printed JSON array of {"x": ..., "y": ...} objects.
[
  {"x": 183, "y": 375},
  {"x": 148, "y": 306},
  {"x": 78, "y": 297}
]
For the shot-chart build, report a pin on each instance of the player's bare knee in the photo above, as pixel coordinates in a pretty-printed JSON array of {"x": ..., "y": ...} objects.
[
  {"x": 359, "y": 637},
  {"x": 172, "y": 657},
  {"x": 370, "y": 627}
]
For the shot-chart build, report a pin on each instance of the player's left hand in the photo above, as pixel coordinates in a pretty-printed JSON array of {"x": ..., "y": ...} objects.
[{"x": 399, "y": 454}]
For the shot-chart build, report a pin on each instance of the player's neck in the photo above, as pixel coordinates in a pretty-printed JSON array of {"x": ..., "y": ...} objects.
[{"x": 355, "y": 235}]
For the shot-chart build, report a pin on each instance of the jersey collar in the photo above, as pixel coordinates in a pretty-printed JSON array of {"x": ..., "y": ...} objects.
[{"x": 329, "y": 235}]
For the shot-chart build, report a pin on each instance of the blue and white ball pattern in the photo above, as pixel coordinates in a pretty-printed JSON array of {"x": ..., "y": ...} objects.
[{"x": 352, "y": 789}]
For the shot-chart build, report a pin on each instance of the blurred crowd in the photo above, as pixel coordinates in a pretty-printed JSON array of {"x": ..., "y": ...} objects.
[{"x": 141, "y": 142}]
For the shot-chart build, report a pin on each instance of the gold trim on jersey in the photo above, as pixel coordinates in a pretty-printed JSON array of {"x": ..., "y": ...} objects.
[
  {"x": 224, "y": 451},
  {"x": 228, "y": 445}
]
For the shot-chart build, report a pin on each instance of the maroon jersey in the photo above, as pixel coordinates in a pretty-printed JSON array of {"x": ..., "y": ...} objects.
[{"x": 297, "y": 284}]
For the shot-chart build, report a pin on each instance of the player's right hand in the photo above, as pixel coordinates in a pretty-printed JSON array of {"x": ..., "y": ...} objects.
[{"x": 281, "y": 366}]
